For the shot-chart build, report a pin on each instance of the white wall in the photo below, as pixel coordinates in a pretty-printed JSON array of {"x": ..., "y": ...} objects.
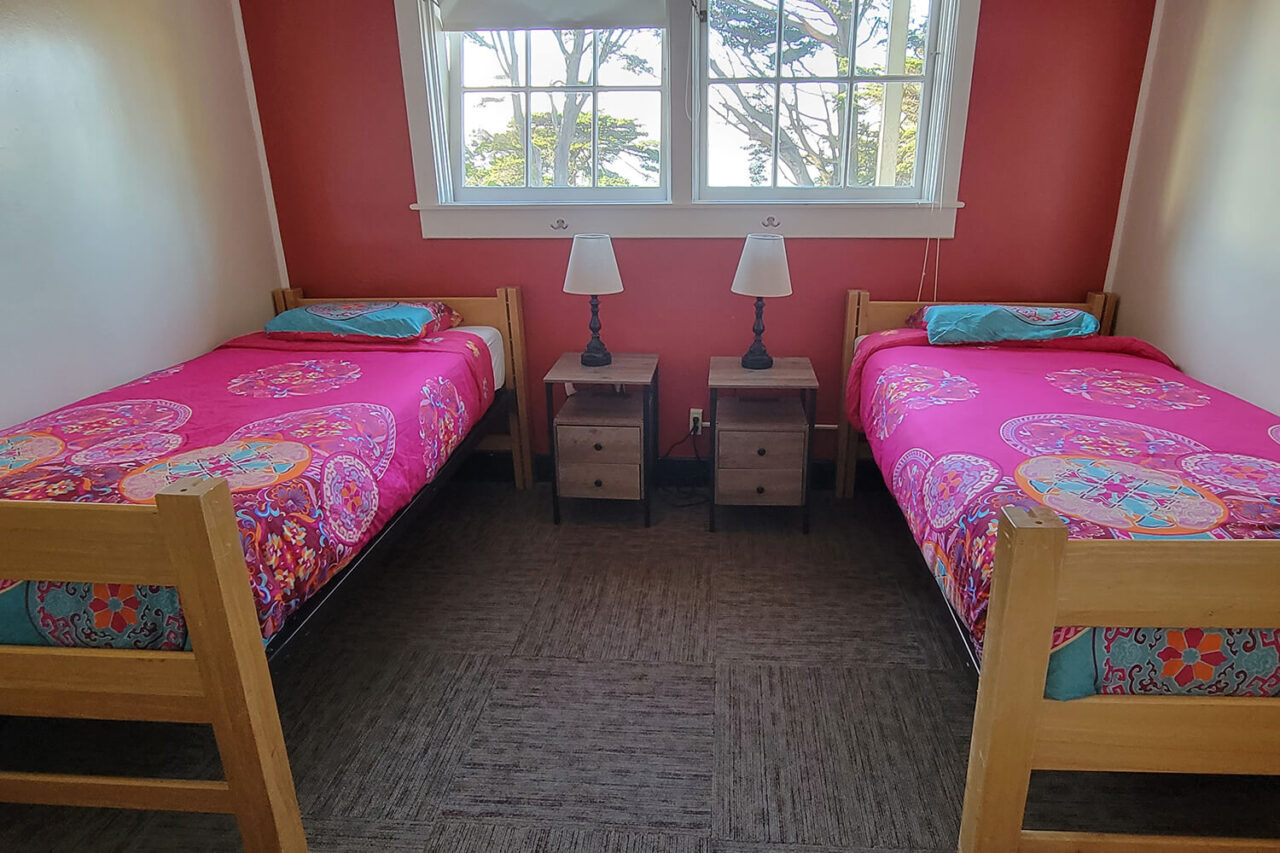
[
  {"x": 1198, "y": 262},
  {"x": 135, "y": 230}
]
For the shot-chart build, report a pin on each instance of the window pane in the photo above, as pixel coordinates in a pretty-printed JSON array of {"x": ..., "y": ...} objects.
[
  {"x": 561, "y": 139},
  {"x": 493, "y": 59},
  {"x": 740, "y": 135},
  {"x": 630, "y": 57},
  {"x": 493, "y": 134},
  {"x": 811, "y": 134},
  {"x": 892, "y": 36},
  {"x": 886, "y": 150},
  {"x": 629, "y": 129},
  {"x": 743, "y": 38},
  {"x": 816, "y": 38},
  {"x": 560, "y": 57},
  {"x": 907, "y": 131}
]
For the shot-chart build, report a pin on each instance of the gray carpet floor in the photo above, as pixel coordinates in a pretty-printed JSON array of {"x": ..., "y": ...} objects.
[{"x": 493, "y": 683}]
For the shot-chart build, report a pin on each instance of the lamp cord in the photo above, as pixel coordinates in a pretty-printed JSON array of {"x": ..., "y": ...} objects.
[{"x": 682, "y": 497}]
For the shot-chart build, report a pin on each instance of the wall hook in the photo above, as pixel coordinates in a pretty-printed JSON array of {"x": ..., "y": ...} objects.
[
  {"x": 559, "y": 225},
  {"x": 770, "y": 222}
]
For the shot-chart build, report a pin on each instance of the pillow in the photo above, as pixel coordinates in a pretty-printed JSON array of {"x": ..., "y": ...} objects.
[
  {"x": 967, "y": 324},
  {"x": 363, "y": 321}
]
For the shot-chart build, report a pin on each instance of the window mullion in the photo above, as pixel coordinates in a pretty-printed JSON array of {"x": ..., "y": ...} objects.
[
  {"x": 559, "y": 89},
  {"x": 528, "y": 109},
  {"x": 889, "y": 78},
  {"x": 850, "y": 141},
  {"x": 777, "y": 95}
]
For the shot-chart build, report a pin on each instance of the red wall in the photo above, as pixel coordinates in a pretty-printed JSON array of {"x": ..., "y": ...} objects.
[{"x": 1054, "y": 90}]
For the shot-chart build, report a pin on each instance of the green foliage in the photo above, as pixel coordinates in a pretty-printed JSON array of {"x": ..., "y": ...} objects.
[{"x": 497, "y": 159}]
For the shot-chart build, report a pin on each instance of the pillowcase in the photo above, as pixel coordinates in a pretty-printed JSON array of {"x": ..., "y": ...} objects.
[
  {"x": 968, "y": 324},
  {"x": 363, "y": 321}
]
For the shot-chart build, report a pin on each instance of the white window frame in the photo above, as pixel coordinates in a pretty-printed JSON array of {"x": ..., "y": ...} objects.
[{"x": 686, "y": 212}]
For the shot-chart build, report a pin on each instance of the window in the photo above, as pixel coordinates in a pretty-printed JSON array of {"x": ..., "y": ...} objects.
[
  {"x": 539, "y": 115},
  {"x": 652, "y": 118},
  {"x": 815, "y": 99}
]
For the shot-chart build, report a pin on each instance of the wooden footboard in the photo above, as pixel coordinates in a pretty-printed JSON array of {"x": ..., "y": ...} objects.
[
  {"x": 1041, "y": 579},
  {"x": 188, "y": 540}
]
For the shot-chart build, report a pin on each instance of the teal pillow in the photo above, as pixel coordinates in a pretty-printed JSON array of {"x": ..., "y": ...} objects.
[
  {"x": 970, "y": 324},
  {"x": 362, "y": 321}
]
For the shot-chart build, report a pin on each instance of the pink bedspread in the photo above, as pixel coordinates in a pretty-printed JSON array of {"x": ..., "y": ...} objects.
[
  {"x": 1107, "y": 432},
  {"x": 321, "y": 445}
]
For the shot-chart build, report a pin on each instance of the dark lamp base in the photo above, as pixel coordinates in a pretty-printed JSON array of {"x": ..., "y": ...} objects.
[
  {"x": 596, "y": 358},
  {"x": 757, "y": 357}
]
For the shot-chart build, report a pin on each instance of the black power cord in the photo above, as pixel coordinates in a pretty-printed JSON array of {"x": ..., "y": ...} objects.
[{"x": 682, "y": 497}]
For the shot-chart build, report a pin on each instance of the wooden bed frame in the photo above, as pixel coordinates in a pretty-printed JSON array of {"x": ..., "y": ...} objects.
[
  {"x": 189, "y": 540},
  {"x": 1042, "y": 579}
]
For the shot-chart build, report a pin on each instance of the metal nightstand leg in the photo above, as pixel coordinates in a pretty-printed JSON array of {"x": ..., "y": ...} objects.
[
  {"x": 650, "y": 427},
  {"x": 551, "y": 439},
  {"x": 712, "y": 452},
  {"x": 811, "y": 403}
]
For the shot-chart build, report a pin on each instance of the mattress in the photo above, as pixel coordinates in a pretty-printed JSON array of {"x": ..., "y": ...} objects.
[
  {"x": 1110, "y": 435},
  {"x": 497, "y": 350},
  {"x": 321, "y": 445}
]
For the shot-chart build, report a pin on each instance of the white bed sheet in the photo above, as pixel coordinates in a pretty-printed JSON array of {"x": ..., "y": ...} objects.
[{"x": 497, "y": 350}]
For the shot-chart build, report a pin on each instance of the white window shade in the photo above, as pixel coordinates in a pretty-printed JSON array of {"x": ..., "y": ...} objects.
[{"x": 466, "y": 15}]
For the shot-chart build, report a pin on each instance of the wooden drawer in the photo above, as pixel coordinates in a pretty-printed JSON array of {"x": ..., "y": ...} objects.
[
  {"x": 762, "y": 486},
  {"x": 599, "y": 480},
  {"x": 595, "y": 444},
  {"x": 735, "y": 449}
]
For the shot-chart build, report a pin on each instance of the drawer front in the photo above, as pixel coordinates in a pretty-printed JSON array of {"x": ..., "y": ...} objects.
[
  {"x": 598, "y": 444},
  {"x": 763, "y": 486},
  {"x": 591, "y": 480},
  {"x": 736, "y": 449}
]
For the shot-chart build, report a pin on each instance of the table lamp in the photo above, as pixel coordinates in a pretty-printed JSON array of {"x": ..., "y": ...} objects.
[
  {"x": 762, "y": 271},
  {"x": 593, "y": 270}
]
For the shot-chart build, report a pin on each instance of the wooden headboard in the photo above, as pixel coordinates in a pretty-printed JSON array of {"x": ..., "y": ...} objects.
[
  {"x": 862, "y": 316},
  {"x": 504, "y": 312}
]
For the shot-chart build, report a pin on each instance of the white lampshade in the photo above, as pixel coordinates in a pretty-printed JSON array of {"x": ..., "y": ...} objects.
[
  {"x": 762, "y": 270},
  {"x": 593, "y": 269}
]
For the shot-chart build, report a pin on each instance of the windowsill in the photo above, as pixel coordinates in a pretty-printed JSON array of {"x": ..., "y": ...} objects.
[{"x": 843, "y": 218}]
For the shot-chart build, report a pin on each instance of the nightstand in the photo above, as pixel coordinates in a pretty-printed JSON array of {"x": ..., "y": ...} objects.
[
  {"x": 761, "y": 446},
  {"x": 604, "y": 443}
]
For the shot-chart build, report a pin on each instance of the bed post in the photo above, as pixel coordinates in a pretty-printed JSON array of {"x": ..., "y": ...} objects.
[
  {"x": 518, "y": 418},
  {"x": 1103, "y": 306},
  {"x": 203, "y": 542},
  {"x": 847, "y": 439},
  {"x": 285, "y": 298},
  {"x": 1024, "y": 591}
]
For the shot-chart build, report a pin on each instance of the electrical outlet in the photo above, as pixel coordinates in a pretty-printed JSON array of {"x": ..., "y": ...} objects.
[{"x": 695, "y": 421}]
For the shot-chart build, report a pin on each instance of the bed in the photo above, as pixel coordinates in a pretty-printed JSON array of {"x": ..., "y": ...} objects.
[
  {"x": 1057, "y": 491},
  {"x": 285, "y": 459}
]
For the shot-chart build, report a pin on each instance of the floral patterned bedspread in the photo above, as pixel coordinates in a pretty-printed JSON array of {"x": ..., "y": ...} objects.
[
  {"x": 1108, "y": 433},
  {"x": 320, "y": 443}
]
